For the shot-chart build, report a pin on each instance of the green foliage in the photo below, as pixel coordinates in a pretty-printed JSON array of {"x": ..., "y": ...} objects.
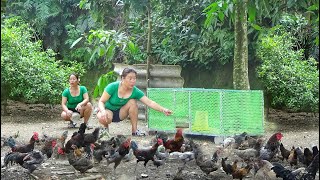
[
  {"x": 27, "y": 72},
  {"x": 292, "y": 82},
  {"x": 103, "y": 81},
  {"x": 106, "y": 44}
]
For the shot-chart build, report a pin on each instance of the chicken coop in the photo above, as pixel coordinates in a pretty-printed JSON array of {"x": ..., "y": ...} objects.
[{"x": 212, "y": 112}]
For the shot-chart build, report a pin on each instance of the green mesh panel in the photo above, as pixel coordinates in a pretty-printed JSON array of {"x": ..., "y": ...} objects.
[{"x": 208, "y": 111}]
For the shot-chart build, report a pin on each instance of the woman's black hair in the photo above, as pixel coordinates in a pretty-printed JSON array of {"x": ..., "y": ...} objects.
[
  {"x": 75, "y": 74},
  {"x": 126, "y": 71}
]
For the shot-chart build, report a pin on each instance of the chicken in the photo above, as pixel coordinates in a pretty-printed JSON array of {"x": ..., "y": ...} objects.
[
  {"x": 176, "y": 143},
  {"x": 48, "y": 147},
  {"x": 184, "y": 157},
  {"x": 29, "y": 161},
  {"x": 58, "y": 149},
  {"x": 268, "y": 151},
  {"x": 227, "y": 168},
  {"x": 284, "y": 152},
  {"x": 26, "y": 147},
  {"x": 308, "y": 174},
  {"x": 208, "y": 165},
  {"x": 241, "y": 172},
  {"x": 263, "y": 166},
  {"x": 120, "y": 153},
  {"x": 145, "y": 154},
  {"x": 315, "y": 150},
  {"x": 91, "y": 137},
  {"x": 308, "y": 156},
  {"x": 273, "y": 143},
  {"x": 79, "y": 162},
  {"x": 250, "y": 153},
  {"x": 293, "y": 157},
  {"x": 158, "y": 162},
  {"x": 77, "y": 138},
  {"x": 239, "y": 139}
]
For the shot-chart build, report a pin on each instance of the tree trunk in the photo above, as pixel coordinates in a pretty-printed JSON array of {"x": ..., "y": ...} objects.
[
  {"x": 149, "y": 45},
  {"x": 240, "y": 62}
]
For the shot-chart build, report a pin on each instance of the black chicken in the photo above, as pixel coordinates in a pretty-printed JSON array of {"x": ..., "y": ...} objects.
[
  {"x": 29, "y": 161},
  {"x": 120, "y": 153},
  {"x": 77, "y": 138},
  {"x": 145, "y": 154},
  {"x": 79, "y": 162},
  {"x": 286, "y": 174}
]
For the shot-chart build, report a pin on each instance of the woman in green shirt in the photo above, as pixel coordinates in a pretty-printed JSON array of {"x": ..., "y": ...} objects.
[
  {"x": 75, "y": 99},
  {"x": 118, "y": 101}
]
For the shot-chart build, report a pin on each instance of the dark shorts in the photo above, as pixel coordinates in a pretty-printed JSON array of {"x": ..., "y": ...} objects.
[
  {"x": 116, "y": 116},
  {"x": 74, "y": 110}
]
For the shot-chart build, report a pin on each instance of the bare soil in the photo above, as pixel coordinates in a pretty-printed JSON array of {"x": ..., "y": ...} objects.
[{"x": 299, "y": 129}]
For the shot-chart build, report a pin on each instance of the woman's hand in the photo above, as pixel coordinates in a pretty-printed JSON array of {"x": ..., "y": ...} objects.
[
  {"x": 69, "y": 113},
  {"x": 167, "y": 112},
  {"x": 78, "y": 107},
  {"x": 103, "y": 114}
]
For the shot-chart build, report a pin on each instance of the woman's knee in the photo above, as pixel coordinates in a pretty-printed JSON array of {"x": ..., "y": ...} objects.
[
  {"x": 64, "y": 116},
  {"x": 133, "y": 103},
  {"x": 88, "y": 106}
]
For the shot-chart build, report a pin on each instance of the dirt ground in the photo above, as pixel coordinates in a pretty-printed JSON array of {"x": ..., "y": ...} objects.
[{"x": 299, "y": 129}]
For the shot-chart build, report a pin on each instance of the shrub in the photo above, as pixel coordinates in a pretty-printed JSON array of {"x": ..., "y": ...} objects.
[
  {"x": 292, "y": 82},
  {"x": 27, "y": 72}
]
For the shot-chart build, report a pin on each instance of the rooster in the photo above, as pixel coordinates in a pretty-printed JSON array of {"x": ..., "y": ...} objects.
[
  {"x": 120, "y": 153},
  {"x": 274, "y": 142},
  {"x": 145, "y": 154},
  {"x": 175, "y": 143},
  {"x": 26, "y": 147},
  {"x": 29, "y": 161},
  {"x": 271, "y": 148}
]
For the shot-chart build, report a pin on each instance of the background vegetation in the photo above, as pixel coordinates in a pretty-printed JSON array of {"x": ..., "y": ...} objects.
[{"x": 56, "y": 37}]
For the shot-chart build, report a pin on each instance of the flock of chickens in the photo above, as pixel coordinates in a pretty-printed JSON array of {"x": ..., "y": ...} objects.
[{"x": 86, "y": 150}]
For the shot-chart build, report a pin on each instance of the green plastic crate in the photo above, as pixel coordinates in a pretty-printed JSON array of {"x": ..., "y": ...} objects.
[{"x": 217, "y": 112}]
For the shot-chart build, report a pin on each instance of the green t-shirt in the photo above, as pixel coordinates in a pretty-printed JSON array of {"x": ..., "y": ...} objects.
[
  {"x": 114, "y": 102},
  {"x": 73, "y": 101}
]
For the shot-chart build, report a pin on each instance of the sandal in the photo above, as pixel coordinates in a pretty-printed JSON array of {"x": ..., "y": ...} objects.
[
  {"x": 139, "y": 133},
  {"x": 72, "y": 124}
]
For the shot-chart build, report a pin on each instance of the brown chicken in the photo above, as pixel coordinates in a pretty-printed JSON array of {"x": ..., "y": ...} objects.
[
  {"x": 284, "y": 152},
  {"x": 26, "y": 147},
  {"x": 176, "y": 143},
  {"x": 228, "y": 168},
  {"x": 29, "y": 161},
  {"x": 79, "y": 162},
  {"x": 293, "y": 157},
  {"x": 120, "y": 153},
  {"x": 240, "y": 173}
]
